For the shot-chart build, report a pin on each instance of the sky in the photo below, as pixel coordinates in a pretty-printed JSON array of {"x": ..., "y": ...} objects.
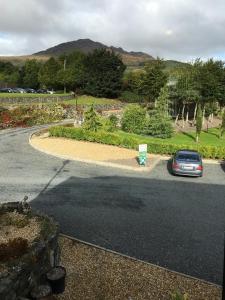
[{"x": 171, "y": 29}]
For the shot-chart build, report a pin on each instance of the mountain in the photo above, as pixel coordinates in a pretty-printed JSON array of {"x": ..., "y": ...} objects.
[{"x": 87, "y": 46}]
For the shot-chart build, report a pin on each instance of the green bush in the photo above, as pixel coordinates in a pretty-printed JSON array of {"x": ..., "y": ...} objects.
[
  {"x": 159, "y": 126},
  {"x": 134, "y": 119},
  {"x": 91, "y": 120},
  {"x": 131, "y": 97},
  {"x": 179, "y": 296},
  {"x": 214, "y": 152},
  {"x": 112, "y": 122}
]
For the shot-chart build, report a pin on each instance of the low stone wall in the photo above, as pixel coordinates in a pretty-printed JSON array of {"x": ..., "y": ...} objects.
[
  {"x": 20, "y": 100},
  {"x": 18, "y": 277}
]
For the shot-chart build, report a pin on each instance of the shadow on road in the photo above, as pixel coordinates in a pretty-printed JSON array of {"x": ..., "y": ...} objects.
[
  {"x": 222, "y": 165},
  {"x": 175, "y": 224}
]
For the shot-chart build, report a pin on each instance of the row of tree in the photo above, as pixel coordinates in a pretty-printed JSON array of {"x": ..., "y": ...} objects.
[
  {"x": 99, "y": 73},
  {"x": 199, "y": 82}
]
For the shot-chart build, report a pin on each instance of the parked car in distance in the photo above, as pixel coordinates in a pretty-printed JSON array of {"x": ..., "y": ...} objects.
[
  {"x": 29, "y": 90},
  {"x": 187, "y": 162},
  {"x": 18, "y": 90},
  {"x": 42, "y": 91},
  {"x": 51, "y": 92},
  {"x": 6, "y": 90}
]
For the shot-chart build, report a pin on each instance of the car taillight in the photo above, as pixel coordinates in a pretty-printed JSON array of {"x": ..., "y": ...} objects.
[
  {"x": 175, "y": 165},
  {"x": 199, "y": 168}
]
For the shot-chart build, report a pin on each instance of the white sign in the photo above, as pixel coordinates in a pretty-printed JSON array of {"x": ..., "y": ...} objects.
[{"x": 143, "y": 148}]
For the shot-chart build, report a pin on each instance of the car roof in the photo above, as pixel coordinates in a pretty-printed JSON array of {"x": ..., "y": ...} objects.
[{"x": 184, "y": 151}]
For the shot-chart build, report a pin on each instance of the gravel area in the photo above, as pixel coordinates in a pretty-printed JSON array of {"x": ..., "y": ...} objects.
[
  {"x": 11, "y": 227},
  {"x": 90, "y": 151},
  {"x": 95, "y": 274}
]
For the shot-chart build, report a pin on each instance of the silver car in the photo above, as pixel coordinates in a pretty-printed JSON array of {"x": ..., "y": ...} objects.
[{"x": 187, "y": 162}]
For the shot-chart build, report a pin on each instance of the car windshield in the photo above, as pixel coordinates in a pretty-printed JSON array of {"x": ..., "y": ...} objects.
[{"x": 188, "y": 157}]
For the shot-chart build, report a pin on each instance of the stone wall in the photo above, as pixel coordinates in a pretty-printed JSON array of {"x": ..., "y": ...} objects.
[
  {"x": 20, "y": 276},
  {"x": 37, "y": 99}
]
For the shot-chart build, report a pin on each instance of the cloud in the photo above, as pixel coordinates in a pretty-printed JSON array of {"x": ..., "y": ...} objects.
[{"x": 176, "y": 29}]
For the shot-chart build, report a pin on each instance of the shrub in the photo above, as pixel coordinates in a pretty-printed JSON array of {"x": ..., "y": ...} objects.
[
  {"x": 131, "y": 97},
  {"x": 159, "y": 126},
  {"x": 179, "y": 296},
  {"x": 134, "y": 119},
  {"x": 91, "y": 120},
  {"x": 112, "y": 123}
]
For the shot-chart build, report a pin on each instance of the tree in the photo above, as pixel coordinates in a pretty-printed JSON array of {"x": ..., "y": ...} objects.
[
  {"x": 162, "y": 103},
  {"x": 222, "y": 127},
  {"x": 47, "y": 75},
  {"x": 157, "y": 126},
  {"x": 30, "y": 73},
  {"x": 134, "y": 119},
  {"x": 153, "y": 80},
  {"x": 186, "y": 91},
  {"x": 198, "y": 122},
  {"x": 9, "y": 74},
  {"x": 65, "y": 78},
  {"x": 159, "y": 123},
  {"x": 91, "y": 120},
  {"x": 103, "y": 73}
]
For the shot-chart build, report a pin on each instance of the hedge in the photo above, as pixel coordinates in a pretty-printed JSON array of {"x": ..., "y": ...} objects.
[{"x": 214, "y": 152}]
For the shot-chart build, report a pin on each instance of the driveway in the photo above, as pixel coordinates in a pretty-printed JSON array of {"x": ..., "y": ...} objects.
[{"x": 175, "y": 222}]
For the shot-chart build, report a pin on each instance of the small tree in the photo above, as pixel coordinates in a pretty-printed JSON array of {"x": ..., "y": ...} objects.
[
  {"x": 112, "y": 122},
  {"x": 162, "y": 102},
  {"x": 159, "y": 126},
  {"x": 222, "y": 128},
  {"x": 198, "y": 122},
  {"x": 91, "y": 120},
  {"x": 134, "y": 119},
  {"x": 159, "y": 123}
]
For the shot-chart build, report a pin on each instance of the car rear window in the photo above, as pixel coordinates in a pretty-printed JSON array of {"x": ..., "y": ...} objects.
[{"x": 189, "y": 157}]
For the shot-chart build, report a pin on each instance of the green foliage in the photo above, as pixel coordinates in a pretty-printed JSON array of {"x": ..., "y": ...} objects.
[
  {"x": 131, "y": 142},
  {"x": 162, "y": 103},
  {"x": 134, "y": 119},
  {"x": 179, "y": 296},
  {"x": 210, "y": 78},
  {"x": 198, "y": 122},
  {"x": 47, "y": 73},
  {"x": 91, "y": 120},
  {"x": 159, "y": 123},
  {"x": 30, "y": 74},
  {"x": 132, "y": 81},
  {"x": 9, "y": 74},
  {"x": 112, "y": 123},
  {"x": 154, "y": 79},
  {"x": 222, "y": 128},
  {"x": 103, "y": 73},
  {"x": 159, "y": 126},
  {"x": 131, "y": 97},
  {"x": 72, "y": 71}
]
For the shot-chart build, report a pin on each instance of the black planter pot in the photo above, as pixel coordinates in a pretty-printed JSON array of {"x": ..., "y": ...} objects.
[{"x": 56, "y": 278}]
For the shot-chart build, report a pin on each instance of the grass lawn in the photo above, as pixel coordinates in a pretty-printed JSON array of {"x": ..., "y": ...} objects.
[
  {"x": 89, "y": 100},
  {"x": 210, "y": 138}
]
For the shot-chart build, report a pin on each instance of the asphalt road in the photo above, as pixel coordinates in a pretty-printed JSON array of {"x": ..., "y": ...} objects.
[{"x": 175, "y": 222}]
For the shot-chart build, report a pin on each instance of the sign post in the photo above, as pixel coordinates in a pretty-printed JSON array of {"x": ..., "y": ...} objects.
[{"x": 142, "y": 154}]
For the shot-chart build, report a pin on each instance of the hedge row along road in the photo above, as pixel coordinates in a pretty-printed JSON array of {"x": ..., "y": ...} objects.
[
  {"x": 131, "y": 141},
  {"x": 175, "y": 222}
]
